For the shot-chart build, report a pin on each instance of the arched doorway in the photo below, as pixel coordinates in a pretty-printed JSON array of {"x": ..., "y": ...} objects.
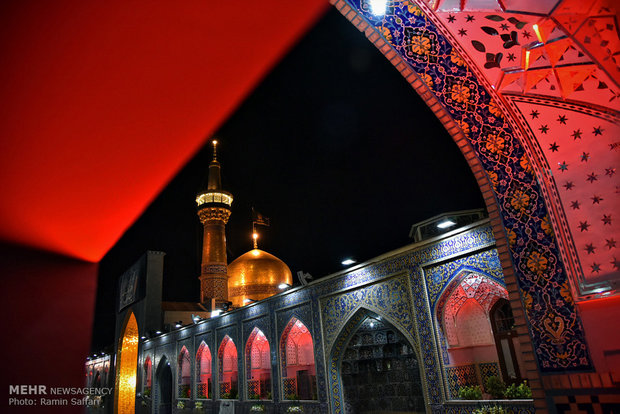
[
  {"x": 184, "y": 374},
  {"x": 229, "y": 370},
  {"x": 163, "y": 395},
  {"x": 506, "y": 341},
  {"x": 204, "y": 387},
  {"x": 463, "y": 317},
  {"x": 258, "y": 366},
  {"x": 125, "y": 401},
  {"x": 298, "y": 365},
  {"x": 379, "y": 369}
]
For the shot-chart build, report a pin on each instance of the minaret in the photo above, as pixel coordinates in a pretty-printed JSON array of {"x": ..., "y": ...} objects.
[{"x": 214, "y": 211}]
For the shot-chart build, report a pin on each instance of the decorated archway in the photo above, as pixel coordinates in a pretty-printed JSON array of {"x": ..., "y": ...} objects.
[
  {"x": 126, "y": 373},
  {"x": 297, "y": 362},
  {"x": 228, "y": 365},
  {"x": 465, "y": 335},
  {"x": 204, "y": 386},
  {"x": 530, "y": 97},
  {"x": 258, "y": 366},
  {"x": 366, "y": 349}
]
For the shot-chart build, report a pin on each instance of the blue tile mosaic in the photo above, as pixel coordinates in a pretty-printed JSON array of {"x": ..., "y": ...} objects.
[{"x": 554, "y": 325}]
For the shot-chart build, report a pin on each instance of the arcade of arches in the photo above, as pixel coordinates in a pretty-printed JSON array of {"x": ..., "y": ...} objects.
[{"x": 397, "y": 354}]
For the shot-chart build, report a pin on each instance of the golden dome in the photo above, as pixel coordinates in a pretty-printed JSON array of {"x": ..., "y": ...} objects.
[{"x": 256, "y": 275}]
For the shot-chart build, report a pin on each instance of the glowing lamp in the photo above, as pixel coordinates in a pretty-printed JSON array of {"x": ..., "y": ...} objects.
[
  {"x": 216, "y": 312},
  {"x": 283, "y": 286},
  {"x": 347, "y": 262},
  {"x": 445, "y": 224},
  {"x": 378, "y": 7}
]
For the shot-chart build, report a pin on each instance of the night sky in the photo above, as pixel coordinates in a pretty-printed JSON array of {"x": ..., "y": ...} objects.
[{"x": 334, "y": 146}]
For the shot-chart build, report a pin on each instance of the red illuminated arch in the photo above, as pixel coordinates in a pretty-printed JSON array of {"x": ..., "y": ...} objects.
[
  {"x": 203, "y": 372},
  {"x": 298, "y": 365},
  {"x": 258, "y": 366},
  {"x": 148, "y": 376},
  {"x": 228, "y": 369},
  {"x": 184, "y": 374}
]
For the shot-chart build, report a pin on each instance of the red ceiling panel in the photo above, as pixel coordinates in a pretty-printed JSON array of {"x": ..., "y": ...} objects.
[{"x": 105, "y": 101}]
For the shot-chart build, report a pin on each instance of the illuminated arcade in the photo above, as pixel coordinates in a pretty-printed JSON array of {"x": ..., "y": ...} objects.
[{"x": 362, "y": 340}]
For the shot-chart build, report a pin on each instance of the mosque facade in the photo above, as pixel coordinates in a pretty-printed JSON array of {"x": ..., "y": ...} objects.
[{"x": 405, "y": 332}]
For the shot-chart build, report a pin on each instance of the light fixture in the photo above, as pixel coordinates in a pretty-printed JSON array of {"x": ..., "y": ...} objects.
[
  {"x": 143, "y": 337},
  {"x": 445, "y": 224},
  {"x": 283, "y": 286},
  {"x": 216, "y": 312},
  {"x": 178, "y": 324},
  {"x": 378, "y": 7},
  {"x": 347, "y": 262},
  {"x": 372, "y": 324},
  {"x": 157, "y": 332}
]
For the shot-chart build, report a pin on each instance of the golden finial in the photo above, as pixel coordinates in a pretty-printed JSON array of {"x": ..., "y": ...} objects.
[
  {"x": 255, "y": 237},
  {"x": 214, "y": 142}
]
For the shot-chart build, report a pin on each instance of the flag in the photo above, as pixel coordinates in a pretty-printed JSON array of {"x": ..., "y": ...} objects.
[{"x": 259, "y": 219}]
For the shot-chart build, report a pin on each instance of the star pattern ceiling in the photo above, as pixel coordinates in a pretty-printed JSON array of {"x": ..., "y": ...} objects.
[
  {"x": 582, "y": 158},
  {"x": 555, "y": 66}
]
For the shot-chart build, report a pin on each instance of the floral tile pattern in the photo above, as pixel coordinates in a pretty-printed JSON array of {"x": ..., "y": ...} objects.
[{"x": 555, "y": 328}]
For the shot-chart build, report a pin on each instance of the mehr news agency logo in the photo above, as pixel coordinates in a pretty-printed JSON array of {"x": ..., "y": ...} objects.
[{"x": 41, "y": 395}]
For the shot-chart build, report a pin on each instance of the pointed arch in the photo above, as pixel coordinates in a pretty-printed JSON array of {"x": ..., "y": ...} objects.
[
  {"x": 228, "y": 369},
  {"x": 367, "y": 319},
  {"x": 464, "y": 289},
  {"x": 148, "y": 376},
  {"x": 297, "y": 362},
  {"x": 126, "y": 374},
  {"x": 463, "y": 330},
  {"x": 204, "y": 385},
  {"x": 184, "y": 374},
  {"x": 363, "y": 311},
  {"x": 163, "y": 387},
  {"x": 258, "y": 365}
]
